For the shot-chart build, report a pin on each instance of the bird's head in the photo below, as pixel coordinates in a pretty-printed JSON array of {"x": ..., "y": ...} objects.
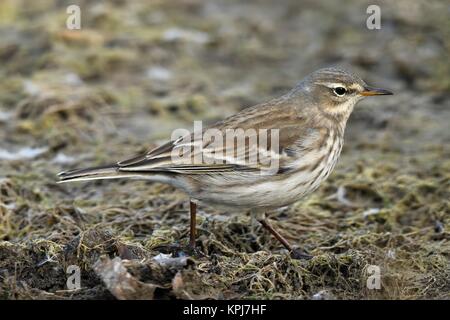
[{"x": 335, "y": 92}]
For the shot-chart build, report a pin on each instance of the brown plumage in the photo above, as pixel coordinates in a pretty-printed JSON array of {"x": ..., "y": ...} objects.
[{"x": 310, "y": 121}]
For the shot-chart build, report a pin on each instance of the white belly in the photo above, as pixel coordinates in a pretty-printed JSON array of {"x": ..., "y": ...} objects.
[{"x": 247, "y": 192}]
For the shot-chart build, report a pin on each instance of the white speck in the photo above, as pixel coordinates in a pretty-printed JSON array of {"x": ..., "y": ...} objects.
[
  {"x": 162, "y": 256},
  {"x": 323, "y": 295},
  {"x": 217, "y": 217},
  {"x": 5, "y": 116},
  {"x": 391, "y": 254},
  {"x": 167, "y": 260},
  {"x": 158, "y": 74},
  {"x": 61, "y": 158},
  {"x": 24, "y": 153},
  {"x": 174, "y": 34},
  {"x": 370, "y": 212},
  {"x": 9, "y": 206},
  {"x": 31, "y": 88},
  {"x": 72, "y": 79},
  {"x": 340, "y": 196}
]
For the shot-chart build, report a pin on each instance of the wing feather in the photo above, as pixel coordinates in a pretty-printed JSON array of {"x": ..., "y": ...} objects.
[{"x": 185, "y": 156}]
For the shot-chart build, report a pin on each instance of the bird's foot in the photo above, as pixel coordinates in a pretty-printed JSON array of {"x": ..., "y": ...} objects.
[
  {"x": 194, "y": 251},
  {"x": 299, "y": 254}
]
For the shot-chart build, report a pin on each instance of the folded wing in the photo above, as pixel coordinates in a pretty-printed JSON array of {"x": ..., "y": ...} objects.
[{"x": 257, "y": 139}]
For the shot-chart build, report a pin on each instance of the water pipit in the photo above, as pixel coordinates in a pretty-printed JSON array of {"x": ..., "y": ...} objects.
[{"x": 308, "y": 123}]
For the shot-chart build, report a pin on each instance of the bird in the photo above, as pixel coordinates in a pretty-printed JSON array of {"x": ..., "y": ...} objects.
[{"x": 297, "y": 139}]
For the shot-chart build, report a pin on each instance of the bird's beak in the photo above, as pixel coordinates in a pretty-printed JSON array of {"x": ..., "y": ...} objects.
[{"x": 370, "y": 91}]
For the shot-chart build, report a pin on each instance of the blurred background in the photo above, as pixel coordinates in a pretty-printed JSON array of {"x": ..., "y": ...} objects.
[{"x": 136, "y": 70}]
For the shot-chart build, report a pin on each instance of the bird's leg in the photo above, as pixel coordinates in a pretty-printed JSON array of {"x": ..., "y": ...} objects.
[
  {"x": 296, "y": 253},
  {"x": 276, "y": 234},
  {"x": 193, "y": 220}
]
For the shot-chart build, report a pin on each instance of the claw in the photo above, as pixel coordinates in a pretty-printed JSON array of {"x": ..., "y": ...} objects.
[{"x": 300, "y": 255}]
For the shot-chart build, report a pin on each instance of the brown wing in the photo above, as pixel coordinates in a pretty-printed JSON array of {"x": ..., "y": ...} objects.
[{"x": 190, "y": 155}]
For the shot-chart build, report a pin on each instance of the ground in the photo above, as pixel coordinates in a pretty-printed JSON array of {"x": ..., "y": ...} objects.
[{"x": 137, "y": 70}]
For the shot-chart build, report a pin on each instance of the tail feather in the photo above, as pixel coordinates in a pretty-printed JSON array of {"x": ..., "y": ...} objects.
[{"x": 94, "y": 173}]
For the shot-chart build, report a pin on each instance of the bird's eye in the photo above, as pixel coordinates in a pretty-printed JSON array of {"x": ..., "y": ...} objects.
[{"x": 339, "y": 91}]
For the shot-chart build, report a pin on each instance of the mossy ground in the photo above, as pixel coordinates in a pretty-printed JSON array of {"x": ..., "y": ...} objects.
[{"x": 137, "y": 70}]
